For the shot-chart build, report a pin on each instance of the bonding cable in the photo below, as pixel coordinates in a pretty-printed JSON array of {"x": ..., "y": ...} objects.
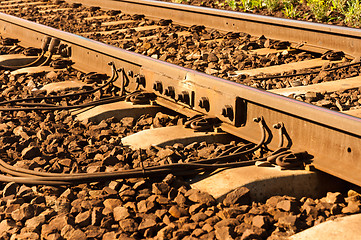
[
  {"x": 47, "y": 41},
  {"x": 112, "y": 79}
]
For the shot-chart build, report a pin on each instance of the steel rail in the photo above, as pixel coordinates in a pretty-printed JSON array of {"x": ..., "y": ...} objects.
[
  {"x": 322, "y": 36},
  {"x": 331, "y": 137}
]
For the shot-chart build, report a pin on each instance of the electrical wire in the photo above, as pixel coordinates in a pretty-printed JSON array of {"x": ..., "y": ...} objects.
[
  {"x": 202, "y": 161},
  {"x": 66, "y": 179},
  {"x": 52, "y": 108},
  {"x": 26, "y": 176},
  {"x": 112, "y": 79},
  {"x": 46, "y": 41},
  {"x": 36, "y": 61},
  {"x": 235, "y": 149},
  {"x": 21, "y": 175}
]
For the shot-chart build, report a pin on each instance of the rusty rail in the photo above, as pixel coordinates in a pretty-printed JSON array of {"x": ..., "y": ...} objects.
[
  {"x": 332, "y": 138},
  {"x": 306, "y": 35}
]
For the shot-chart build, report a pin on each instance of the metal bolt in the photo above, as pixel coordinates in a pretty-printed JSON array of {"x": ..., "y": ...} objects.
[
  {"x": 258, "y": 119},
  {"x": 157, "y": 86},
  {"x": 170, "y": 92},
  {"x": 45, "y": 43},
  {"x": 227, "y": 112},
  {"x": 180, "y": 97},
  {"x": 140, "y": 80},
  {"x": 64, "y": 50},
  {"x": 54, "y": 43},
  {"x": 68, "y": 51},
  {"x": 277, "y": 125},
  {"x": 184, "y": 97},
  {"x": 204, "y": 103}
]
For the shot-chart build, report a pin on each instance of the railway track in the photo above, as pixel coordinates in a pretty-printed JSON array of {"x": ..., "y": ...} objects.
[{"x": 193, "y": 66}]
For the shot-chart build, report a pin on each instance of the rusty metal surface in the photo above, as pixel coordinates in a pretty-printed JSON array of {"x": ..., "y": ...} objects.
[
  {"x": 332, "y": 138},
  {"x": 317, "y": 35}
]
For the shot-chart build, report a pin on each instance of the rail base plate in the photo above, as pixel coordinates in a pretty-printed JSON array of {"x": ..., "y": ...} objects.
[
  {"x": 341, "y": 228},
  {"x": 264, "y": 182},
  {"x": 171, "y": 135},
  {"x": 117, "y": 110}
]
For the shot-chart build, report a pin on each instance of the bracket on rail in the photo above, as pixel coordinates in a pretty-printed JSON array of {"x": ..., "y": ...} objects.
[
  {"x": 139, "y": 97},
  {"x": 50, "y": 46},
  {"x": 202, "y": 123}
]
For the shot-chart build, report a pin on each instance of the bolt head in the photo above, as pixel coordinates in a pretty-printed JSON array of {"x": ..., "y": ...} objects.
[
  {"x": 203, "y": 102},
  {"x": 157, "y": 86},
  {"x": 170, "y": 92},
  {"x": 140, "y": 80},
  {"x": 227, "y": 111},
  {"x": 186, "y": 98}
]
